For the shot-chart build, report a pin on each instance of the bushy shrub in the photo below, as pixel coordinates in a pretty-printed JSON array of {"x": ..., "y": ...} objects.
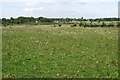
[
  {"x": 54, "y": 25},
  {"x": 81, "y": 24},
  {"x": 86, "y": 25},
  {"x": 92, "y": 25},
  {"x": 103, "y": 24},
  {"x": 4, "y": 25},
  {"x": 59, "y": 25},
  {"x": 118, "y": 24},
  {"x": 95, "y": 25},
  {"x": 73, "y": 25},
  {"x": 110, "y": 25}
]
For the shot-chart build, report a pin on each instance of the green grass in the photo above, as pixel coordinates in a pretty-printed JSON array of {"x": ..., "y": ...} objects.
[{"x": 60, "y": 52}]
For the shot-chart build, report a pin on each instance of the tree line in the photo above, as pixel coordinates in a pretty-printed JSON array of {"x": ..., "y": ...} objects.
[{"x": 40, "y": 20}]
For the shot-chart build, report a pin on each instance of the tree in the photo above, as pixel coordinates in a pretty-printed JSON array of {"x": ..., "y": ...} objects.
[
  {"x": 4, "y": 22},
  {"x": 103, "y": 24}
]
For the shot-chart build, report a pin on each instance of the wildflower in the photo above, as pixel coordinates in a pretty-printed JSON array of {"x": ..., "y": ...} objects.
[
  {"x": 57, "y": 74},
  {"x": 97, "y": 61}
]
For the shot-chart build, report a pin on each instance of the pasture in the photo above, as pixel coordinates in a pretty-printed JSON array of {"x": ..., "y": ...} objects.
[{"x": 59, "y": 52}]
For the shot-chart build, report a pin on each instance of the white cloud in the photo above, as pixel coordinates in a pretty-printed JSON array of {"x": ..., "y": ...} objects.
[
  {"x": 33, "y": 9},
  {"x": 28, "y": 0},
  {"x": 59, "y": 1},
  {"x": 52, "y": 8},
  {"x": 31, "y": 4}
]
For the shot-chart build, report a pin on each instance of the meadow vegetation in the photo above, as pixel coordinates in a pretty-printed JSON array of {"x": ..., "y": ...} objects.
[{"x": 60, "y": 51}]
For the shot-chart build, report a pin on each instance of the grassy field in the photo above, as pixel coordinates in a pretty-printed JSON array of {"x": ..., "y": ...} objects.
[{"x": 60, "y": 52}]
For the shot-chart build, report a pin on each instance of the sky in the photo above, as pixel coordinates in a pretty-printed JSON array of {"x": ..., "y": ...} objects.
[{"x": 59, "y": 8}]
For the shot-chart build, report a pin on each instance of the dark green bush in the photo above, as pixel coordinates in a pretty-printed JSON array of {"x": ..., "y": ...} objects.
[
  {"x": 73, "y": 25},
  {"x": 87, "y": 25},
  {"x": 95, "y": 25},
  {"x": 59, "y": 25},
  {"x": 81, "y": 24},
  {"x": 54, "y": 25},
  {"x": 103, "y": 24},
  {"x": 118, "y": 24},
  {"x": 110, "y": 25},
  {"x": 4, "y": 25}
]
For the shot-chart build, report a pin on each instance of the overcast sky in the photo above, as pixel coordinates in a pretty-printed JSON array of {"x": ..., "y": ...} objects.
[{"x": 59, "y": 8}]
